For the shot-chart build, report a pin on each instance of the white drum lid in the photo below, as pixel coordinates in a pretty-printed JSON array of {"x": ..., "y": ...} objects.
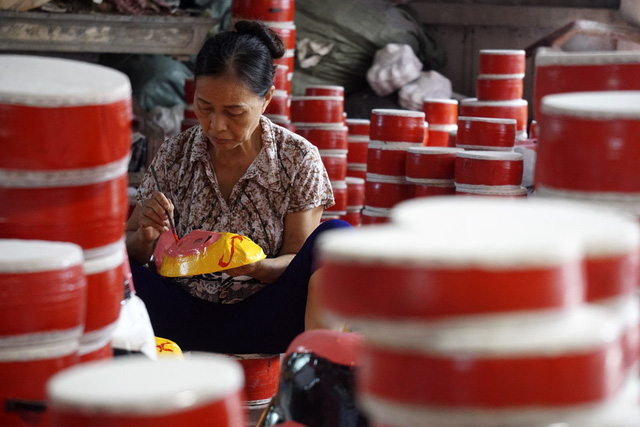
[
  {"x": 511, "y": 103},
  {"x": 548, "y": 57},
  {"x": 30, "y": 256},
  {"x": 358, "y": 121},
  {"x": 503, "y": 51},
  {"x": 399, "y": 113},
  {"x": 487, "y": 120},
  {"x": 433, "y": 150},
  {"x": 441, "y": 101},
  {"x": 490, "y": 155},
  {"x": 607, "y": 105}
]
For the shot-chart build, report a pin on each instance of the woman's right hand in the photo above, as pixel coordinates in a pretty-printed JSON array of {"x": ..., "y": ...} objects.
[{"x": 153, "y": 220}]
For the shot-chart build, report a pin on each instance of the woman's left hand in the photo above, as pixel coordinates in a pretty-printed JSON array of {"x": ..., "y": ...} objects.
[{"x": 245, "y": 270}]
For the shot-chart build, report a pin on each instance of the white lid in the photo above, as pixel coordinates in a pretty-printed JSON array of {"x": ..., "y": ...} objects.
[
  {"x": 358, "y": 121},
  {"x": 511, "y": 103},
  {"x": 600, "y": 231},
  {"x": 443, "y": 245},
  {"x": 434, "y": 150},
  {"x": 137, "y": 385},
  {"x": 443, "y": 128},
  {"x": 440, "y": 101},
  {"x": 594, "y": 105},
  {"x": 490, "y": 155},
  {"x": 546, "y": 57},
  {"x": 105, "y": 262},
  {"x": 502, "y": 51},
  {"x": 280, "y": 24},
  {"x": 30, "y": 256},
  {"x": 400, "y": 113},
  {"x": 501, "y": 76},
  {"x": 52, "y": 82},
  {"x": 352, "y": 180},
  {"x": 317, "y": 98},
  {"x": 487, "y": 120}
]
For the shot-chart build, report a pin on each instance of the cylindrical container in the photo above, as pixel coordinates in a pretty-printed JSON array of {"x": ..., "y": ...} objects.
[
  {"x": 289, "y": 60},
  {"x": 93, "y": 102},
  {"x": 340, "y": 194},
  {"x": 355, "y": 192},
  {"x": 488, "y": 168},
  {"x": 96, "y": 345},
  {"x": 588, "y": 142},
  {"x": 326, "y": 138},
  {"x": 434, "y": 163},
  {"x": 358, "y": 127},
  {"x": 317, "y": 109},
  {"x": 533, "y": 129},
  {"x": 263, "y": 10},
  {"x": 135, "y": 391},
  {"x": 281, "y": 79},
  {"x": 440, "y": 111},
  {"x": 286, "y": 31},
  {"x": 491, "y": 190},
  {"x": 516, "y": 109},
  {"x": 357, "y": 170},
  {"x": 397, "y": 125},
  {"x": 280, "y": 104},
  {"x": 482, "y": 133},
  {"x": 388, "y": 158},
  {"x": 358, "y": 146},
  {"x": 427, "y": 188},
  {"x": 439, "y": 135},
  {"x": 561, "y": 72},
  {"x": 335, "y": 162},
  {"x": 324, "y": 90},
  {"x": 499, "y": 87},
  {"x": 84, "y": 206},
  {"x": 261, "y": 373},
  {"x": 373, "y": 216},
  {"x": 502, "y": 61},
  {"x": 353, "y": 216},
  {"x": 411, "y": 269},
  {"x": 384, "y": 191}
]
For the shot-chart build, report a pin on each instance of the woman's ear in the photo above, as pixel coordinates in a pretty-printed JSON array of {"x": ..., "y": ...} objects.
[{"x": 267, "y": 98}]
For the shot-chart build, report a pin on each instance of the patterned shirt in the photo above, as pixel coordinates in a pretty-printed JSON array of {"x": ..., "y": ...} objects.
[{"x": 286, "y": 176}]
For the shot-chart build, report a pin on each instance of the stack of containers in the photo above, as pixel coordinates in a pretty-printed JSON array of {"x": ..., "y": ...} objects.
[
  {"x": 189, "y": 119},
  {"x": 278, "y": 16},
  {"x": 391, "y": 134},
  {"x": 432, "y": 170},
  {"x": 42, "y": 310},
  {"x": 319, "y": 117},
  {"x": 64, "y": 154},
  {"x": 499, "y": 88},
  {"x": 441, "y": 116},
  {"x": 355, "y": 200},
  {"x": 358, "y": 139},
  {"x": 588, "y": 148},
  {"x": 449, "y": 341}
]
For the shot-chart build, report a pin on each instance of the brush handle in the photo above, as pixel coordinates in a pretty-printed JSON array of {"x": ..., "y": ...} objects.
[{"x": 173, "y": 226}]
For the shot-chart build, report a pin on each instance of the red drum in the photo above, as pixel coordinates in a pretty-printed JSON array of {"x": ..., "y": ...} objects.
[
  {"x": 388, "y": 158},
  {"x": 340, "y": 194},
  {"x": 99, "y": 348},
  {"x": 439, "y": 135},
  {"x": 499, "y": 87},
  {"x": 383, "y": 191},
  {"x": 373, "y": 216},
  {"x": 588, "y": 142},
  {"x": 353, "y": 217},
  {"x": 335, "y": 162},
  {"x": 488, "y": 168},
  {"x": 490, "y": 190},
  {"x": 325, "y": 138},
  {"x": 78, "y": 117},
  {"x": 261, "y": 373},
  {"x": 85, "y": 206},
  {"x": 317, "y": 109},
  {"x": 434, "y": 163},
  {"x": 280, "y": 104},
  {"x": 533, "y": 129},
  {"x": 516, "y": 109},
  {"x": 358, "y": 146},
  {"x": 263, "y": 10},
  {"x": 481, "y": 133},
  {"x": 355, "y": 193},
  {"x": 410, "y": 274},
  {"x": 502, "y": 61},
  {"x": 358, "y": 127},
  {"x": 286, "y": 31},
  {"x": 560, "y": 72},
  {"x": 357, "y": 170},
  {"x": 440, "y": 111},
  {"x": 282, "y": 80},
  {"x": 324, "y": 90},
  {"x": 425, "y": 188},
  {"x": 190, "y": 91},
  {"x": 397, "y": 126},
  {"x": 137, "y": 392},
  {"x": 289, "y": 60}
]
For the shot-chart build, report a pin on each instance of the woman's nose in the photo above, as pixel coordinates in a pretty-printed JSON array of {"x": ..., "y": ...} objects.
[{"x": 218, "y": 122}]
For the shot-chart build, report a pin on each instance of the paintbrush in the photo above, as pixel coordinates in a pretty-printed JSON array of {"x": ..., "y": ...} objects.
[{"x": 173, "y": 227}]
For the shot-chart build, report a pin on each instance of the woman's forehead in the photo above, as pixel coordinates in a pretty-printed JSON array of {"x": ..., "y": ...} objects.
[{"x": 225, "y": 89}]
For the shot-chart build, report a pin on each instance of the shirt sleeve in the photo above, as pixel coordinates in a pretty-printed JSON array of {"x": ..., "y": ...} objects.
[{"x": 311, "y": 186}]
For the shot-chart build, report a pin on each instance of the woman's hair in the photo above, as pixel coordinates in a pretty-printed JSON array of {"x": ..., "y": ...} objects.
[{"x": 248, "y": 53}]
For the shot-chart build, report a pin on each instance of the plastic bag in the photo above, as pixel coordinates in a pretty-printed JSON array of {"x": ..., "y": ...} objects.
[
  {"x": 394, "y": 66},
  {"x": 203, "y": 252}
]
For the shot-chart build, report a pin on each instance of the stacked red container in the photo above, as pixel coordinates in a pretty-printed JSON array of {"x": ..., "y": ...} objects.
[
  {"x": 355, "y": 200},
  {"x": 358, "y": 139},
  {"x": 432, "y": 170},
  {"x": 446, "y": 332},
  {"x": 62, "y": 187},
  {"x": 442, "y": 117},
  {"x": 494, "y": 173}
]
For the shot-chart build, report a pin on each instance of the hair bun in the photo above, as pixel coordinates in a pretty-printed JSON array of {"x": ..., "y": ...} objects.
[{"x": 257, "y": 29}]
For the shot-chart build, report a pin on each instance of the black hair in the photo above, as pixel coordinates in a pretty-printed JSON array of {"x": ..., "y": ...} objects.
[{"x": 248, "y": 53}]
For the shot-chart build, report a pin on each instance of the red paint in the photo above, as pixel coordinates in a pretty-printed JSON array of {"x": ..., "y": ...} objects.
[
  {"x": 405, "y": 291},
  {"x": 591, "y": 375},
  {"x": 485, "y": 133},
  {"x": 260, "y": 376},
  {"x": 263, "y": 10},
  {"x": 499, "y": 89},
  {"x": 397, "y": 126},
  {"x": 317, "y": 109},
  {"x": 489, "y": 170},
  {"x": 33, "y": 138},
  {"x": 342, "y": 348},
  {"x": 387, "y": 194},
  {"x": 426, "y": 190},
  {"x": 611, "y": 276},
  {"x": 431, "y": 163},
  {"x": 500, "y": 61},
  {"x": 325, "y": 138},
  {"x": 221, "y": 261},
  {"x": 440, "y": 111},
  {"x": 516, "y": 109}
]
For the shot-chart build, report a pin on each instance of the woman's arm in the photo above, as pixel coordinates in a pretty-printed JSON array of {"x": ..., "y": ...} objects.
[
  {"x": 147, "y": 222},
  {"x": 297, "y": 227}
]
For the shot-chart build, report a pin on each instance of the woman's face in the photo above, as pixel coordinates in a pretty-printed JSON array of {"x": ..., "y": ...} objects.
[{"x": 228, "y": 112}]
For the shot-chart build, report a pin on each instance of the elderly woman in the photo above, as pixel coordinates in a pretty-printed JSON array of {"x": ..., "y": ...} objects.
[{"x": 236, "y": 172}]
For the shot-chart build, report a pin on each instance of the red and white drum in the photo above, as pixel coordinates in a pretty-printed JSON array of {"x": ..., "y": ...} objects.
[
  {"x": 499, "y": 87},
  {"x": 261, "y": 373},
  {"x": 491, "y": 190},
  {"x": 358, "y": 146},
  {"x": 397, "y": 126},
  {"x": 502, "y": 61},
  {"x": 289, "y": 60},
  {"x": 285, "y": 30},
  {"x": 326, "y": 138},
  {"x": 357, "y": 170},
  {"x": 341, "y": 195},
  {"x": 440, "y": 111},
  {"x": 263, "y": 10},
  {"x": 335, "y": 162},
  {"x": 322, "y": 110},
  {"x": 488, "y": 168},
  {"x": 385, "y": 191},
  {"x": 358, "y": 127},
  {"x": 429, "y": 188},
  {"x": 282, "y": 78},
  {"x": 482, "y": 133},
  {"x": 440, "y": 135},
  {"x": 280, "y": 105},
  {"x": 373, "y": 216},
  {"x": 388, "y": 158},
  {"x": 324, "y": 90},
  {"x": 516, "y": 109},
  {"x": 353, "y": 216},
  {"x": 433, "y": 163},
  {"x": 355, "y": 192}
]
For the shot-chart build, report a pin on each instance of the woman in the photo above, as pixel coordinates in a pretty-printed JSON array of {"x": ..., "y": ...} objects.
[{"x": 236, "y": 172}]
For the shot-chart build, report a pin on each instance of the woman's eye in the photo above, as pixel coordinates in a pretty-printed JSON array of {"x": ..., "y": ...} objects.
[{"x": 235, "y": 113}]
